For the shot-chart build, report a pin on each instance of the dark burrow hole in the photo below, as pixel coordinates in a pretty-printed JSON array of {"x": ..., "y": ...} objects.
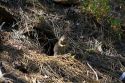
[
  {"x": 21, "y": 67},
  {"x": 7, "y": 21},
  {"x": 46, "y": 38}
]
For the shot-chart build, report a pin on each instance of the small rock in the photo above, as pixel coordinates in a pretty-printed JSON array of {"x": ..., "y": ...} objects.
[{"x": 122, "y": 77}]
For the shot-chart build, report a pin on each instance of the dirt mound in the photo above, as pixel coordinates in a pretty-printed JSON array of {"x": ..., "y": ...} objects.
[{"x": 34, "y": 67}]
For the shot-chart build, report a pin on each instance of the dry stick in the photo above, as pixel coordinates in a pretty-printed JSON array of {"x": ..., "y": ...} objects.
[
  {"x": 2, "y": 25},
  {"x": 93, "y": 71}
]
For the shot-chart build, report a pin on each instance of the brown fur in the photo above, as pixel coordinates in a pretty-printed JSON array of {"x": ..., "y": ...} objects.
[{"x": 61, "y": 46}]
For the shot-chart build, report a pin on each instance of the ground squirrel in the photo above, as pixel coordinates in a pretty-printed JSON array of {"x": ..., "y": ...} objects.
[{"x": 61, "y": 46}]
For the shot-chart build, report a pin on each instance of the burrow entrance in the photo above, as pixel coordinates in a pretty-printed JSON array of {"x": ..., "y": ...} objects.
[
  {"x": 45, "y": 36},
  {"x": 7, "y": 20}
]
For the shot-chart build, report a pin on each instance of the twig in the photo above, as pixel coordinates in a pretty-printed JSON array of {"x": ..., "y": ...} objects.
[
  {"x": 93, "y": 71},
  {"x": 2, "y": 25}
]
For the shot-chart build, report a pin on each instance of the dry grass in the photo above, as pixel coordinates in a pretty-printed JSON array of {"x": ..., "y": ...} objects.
[
  {"x": 34, "y": 67},
  {"x": 21, "y": 60}
]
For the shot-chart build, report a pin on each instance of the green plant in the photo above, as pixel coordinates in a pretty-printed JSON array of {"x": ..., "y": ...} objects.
[
  {"x": 116, "y": 27},
  {"x": 97, "y": 7}
]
